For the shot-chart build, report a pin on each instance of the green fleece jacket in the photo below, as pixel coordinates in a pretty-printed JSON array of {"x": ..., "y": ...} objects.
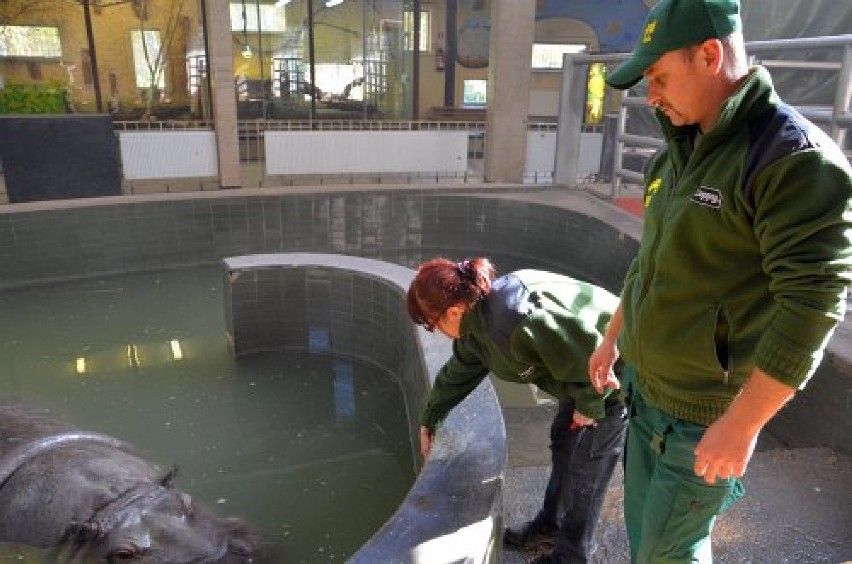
[
  {"x": 534, "y": 327},
  {"x": 745, "y": 255}
]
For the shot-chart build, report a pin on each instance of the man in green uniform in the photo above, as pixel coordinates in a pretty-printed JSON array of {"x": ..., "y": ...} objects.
[{"x": 739, "y": 282}]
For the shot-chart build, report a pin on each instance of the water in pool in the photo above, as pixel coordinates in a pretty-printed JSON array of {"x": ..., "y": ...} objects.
[{"x": 313, "y": 450}]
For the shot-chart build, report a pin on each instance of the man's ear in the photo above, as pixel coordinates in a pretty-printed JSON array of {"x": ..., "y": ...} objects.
[{"x": 711, "y": 56}]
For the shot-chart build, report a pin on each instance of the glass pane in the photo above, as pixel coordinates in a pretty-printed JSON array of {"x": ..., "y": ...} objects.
[
  {"x": 112, "y": 73},
  {"x": 260, "y": 31},
  {"x": 339, "y": 44},
  {"x": 29, "y": 41},
  {"x": 549, "y": 56},
  {"x": 288, "y": 66},
  {"x": 147, "y": 58},
  {"x": 475, "y": 93}
]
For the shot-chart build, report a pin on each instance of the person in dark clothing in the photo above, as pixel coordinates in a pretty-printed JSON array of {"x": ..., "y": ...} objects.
[{"x": 530, "y": 327}]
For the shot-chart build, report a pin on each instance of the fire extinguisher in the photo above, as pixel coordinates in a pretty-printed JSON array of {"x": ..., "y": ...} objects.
[{"x": 439, "y": 59}]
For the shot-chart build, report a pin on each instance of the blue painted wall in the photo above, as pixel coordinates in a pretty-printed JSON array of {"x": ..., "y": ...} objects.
[{"x": 617, "y": 23}]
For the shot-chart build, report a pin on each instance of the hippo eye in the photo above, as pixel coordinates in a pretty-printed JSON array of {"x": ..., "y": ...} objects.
[{"x": 124, "y": 554}]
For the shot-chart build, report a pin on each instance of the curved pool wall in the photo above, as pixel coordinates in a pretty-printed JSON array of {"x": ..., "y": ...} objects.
[
  {"x": 565, "y": 231},
  {"x": 355, "y": 307}
]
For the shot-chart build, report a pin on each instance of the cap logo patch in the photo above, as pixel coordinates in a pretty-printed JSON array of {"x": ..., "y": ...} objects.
[
  {"x": 649, "y": 31},
  {"x": 708, "y": 197}
]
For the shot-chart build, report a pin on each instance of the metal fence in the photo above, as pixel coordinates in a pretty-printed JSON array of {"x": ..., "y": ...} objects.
[{"x": 836, "y": 118}]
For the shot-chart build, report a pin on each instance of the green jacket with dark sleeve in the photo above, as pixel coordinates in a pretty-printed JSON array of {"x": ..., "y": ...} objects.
[
  {"x": 534, "y": 327},
  {"x": 745, "y": 258}
]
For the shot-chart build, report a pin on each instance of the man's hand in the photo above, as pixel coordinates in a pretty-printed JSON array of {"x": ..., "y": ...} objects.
[
  {"x": 604, "y": 356},
  {"x": 725, "y": 450},
  {"x": 600, "y": 367},
  {"x": 427, "y": 438},
  {"x": 727, "y": 445}
]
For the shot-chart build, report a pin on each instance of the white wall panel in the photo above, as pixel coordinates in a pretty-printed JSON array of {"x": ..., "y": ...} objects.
[
  {"x": 541, "y": 153},
  {"x": 168, "y": 154},
  {"x": 344, "y": 152}
]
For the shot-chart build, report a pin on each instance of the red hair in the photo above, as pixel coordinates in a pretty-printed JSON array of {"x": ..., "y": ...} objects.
[{"x": 440, "y": 284}]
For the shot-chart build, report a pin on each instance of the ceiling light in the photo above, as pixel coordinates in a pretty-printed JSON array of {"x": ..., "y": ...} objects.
[{"x": 332, "y": 3}]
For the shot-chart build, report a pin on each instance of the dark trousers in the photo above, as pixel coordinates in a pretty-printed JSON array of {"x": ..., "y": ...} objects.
[{"x": 583, "y": 461}]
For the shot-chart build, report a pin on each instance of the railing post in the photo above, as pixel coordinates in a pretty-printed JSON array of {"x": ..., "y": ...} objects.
[
  {"x": 566, "y": 164},
  {"x": 843, "y": 97}
]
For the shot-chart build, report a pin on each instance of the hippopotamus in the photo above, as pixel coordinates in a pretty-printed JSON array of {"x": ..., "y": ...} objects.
[{"x": 86, "y": 495}]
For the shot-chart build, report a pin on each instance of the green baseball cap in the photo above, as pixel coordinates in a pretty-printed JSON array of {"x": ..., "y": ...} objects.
[{"x": 674, "y": 24}]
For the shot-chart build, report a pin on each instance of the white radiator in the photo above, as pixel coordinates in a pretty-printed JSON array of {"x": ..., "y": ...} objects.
[
  {"x": 168, "y": 154},
  {"x": 345, "y": 152}
]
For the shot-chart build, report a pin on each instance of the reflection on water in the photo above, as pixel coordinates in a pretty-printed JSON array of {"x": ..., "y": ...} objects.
[{"x": 311, "y": 449}]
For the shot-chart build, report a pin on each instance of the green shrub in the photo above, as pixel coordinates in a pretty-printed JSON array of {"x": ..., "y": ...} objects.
[{"x": 32, "y": 99}]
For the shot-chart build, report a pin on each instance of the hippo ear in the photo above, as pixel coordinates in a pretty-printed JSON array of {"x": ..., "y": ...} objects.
[{"x": 167, "y": 480}]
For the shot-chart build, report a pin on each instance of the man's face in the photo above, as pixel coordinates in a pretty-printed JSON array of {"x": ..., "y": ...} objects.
[{"x": 676, "y": 87}]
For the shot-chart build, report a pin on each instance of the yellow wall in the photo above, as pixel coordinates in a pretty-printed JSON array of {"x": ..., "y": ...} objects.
[{"x": 111, "y": 29}]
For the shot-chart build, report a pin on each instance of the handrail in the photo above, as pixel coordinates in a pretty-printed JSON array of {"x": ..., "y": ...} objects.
[{"x": 837, "y": 117}]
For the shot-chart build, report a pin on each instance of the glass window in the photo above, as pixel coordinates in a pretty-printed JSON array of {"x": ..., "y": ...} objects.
[
  {"x": 30, "y": 41},
  {"x": 425, "y": 30},
  {"x": 474, "y": 93},
  {"x": 259, "y": 17},
  {"x": 147, "y": 59},
  {"x": 549, "y": 55}
]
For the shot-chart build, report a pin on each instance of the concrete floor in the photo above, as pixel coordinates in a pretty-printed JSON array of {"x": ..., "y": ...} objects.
[{"x": 798, "y": 507}]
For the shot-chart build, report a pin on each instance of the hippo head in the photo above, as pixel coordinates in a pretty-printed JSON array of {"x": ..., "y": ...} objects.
[{"x": 157, "y": 524}]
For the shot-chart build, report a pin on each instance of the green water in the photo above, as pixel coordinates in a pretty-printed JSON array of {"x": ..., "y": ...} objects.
[{"x": 312, "y": 450}]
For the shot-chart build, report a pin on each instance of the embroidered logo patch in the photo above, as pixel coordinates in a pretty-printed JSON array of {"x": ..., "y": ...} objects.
[
  {"x": 708, "y": 197},
  {"x": 649, "y": 32},
  {"x": 527, "y": 373},
  {"x": 651, "y": 190}
]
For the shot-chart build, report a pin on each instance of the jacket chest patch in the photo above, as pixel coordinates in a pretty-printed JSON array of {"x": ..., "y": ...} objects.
[
  {"x": 707, "y": 197},
  {"x": 527, "y": 373}
]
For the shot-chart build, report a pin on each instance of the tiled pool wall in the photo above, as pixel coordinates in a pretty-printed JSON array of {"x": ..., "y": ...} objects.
[
  {"x": 105, "y": 235},
  {"x": 327, "y": 304},
  {"x": 402, "y": 226},
  {"x": 354, "y": 307}
]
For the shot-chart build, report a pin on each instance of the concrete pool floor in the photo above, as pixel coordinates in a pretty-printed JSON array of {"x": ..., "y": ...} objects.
[{"x": 798, "y": 507}]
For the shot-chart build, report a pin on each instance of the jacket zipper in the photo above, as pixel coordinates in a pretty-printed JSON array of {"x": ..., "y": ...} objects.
[{"x": 652, "y": 262}]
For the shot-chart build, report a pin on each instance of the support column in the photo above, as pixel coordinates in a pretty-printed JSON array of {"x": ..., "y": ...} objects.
[
  {"x": 221, "y": 79},
  {"x": 509, "y": 75}
]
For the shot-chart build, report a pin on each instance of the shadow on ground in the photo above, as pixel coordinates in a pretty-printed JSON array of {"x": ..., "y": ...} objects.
[{"x": 797, "y": 510}]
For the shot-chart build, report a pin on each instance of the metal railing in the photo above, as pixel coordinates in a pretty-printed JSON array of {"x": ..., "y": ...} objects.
[{"x": 836, "y": 118}]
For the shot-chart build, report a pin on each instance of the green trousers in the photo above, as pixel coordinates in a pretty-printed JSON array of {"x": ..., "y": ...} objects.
[{"x": 669, "y": 511}]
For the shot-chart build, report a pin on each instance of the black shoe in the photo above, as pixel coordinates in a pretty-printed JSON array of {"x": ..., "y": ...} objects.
[{"x": 533, "y": 535}]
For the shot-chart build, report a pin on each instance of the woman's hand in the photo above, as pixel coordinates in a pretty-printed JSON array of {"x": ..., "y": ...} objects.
[
  {"x": 580, "y": 420},
  {"x": 427, "y": 438}
]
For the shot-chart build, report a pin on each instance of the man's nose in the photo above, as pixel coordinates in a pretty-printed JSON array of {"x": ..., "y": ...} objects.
[{"x": 652, "y": 98}]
